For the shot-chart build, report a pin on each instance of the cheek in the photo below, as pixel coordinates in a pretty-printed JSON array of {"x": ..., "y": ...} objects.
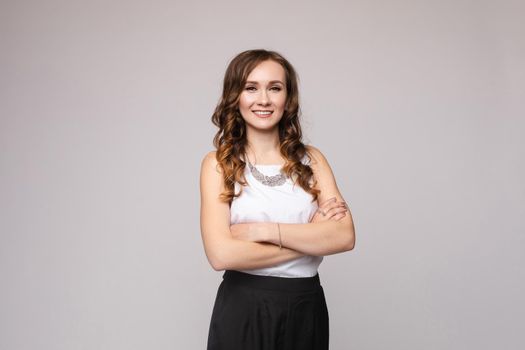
[
  {"x": 246, "y": 99},
  {"x": 282, "y": 102},
  {"x": 281, "y": 97}
]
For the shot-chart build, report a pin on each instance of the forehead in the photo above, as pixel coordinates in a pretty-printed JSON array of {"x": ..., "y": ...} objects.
[{"x": 267, "y": 71}]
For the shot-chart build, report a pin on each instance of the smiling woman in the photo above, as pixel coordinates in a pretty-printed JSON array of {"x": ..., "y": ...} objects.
[
  {"x": 262, "y": 98},
  {"x": 270, "y": 212}
]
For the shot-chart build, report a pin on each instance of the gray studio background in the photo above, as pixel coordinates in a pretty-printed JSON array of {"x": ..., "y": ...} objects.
[{"x": 105, "y": 117}]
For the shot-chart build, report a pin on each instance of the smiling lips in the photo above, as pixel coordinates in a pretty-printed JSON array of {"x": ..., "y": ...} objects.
[{"x": 263, "y": 113}]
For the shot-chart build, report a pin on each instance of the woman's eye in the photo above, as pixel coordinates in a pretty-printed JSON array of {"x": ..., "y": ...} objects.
[{"x": 251, "y": 88}]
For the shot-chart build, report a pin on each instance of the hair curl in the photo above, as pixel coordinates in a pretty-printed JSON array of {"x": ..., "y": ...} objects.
[{"x": 230, "y": 140}]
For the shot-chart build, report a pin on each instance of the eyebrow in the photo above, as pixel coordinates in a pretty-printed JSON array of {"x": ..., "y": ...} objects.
[{"x": 270, "y": 82}]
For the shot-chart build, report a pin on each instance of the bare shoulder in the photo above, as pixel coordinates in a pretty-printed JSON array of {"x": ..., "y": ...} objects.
[
  {"x": 211, "y": 176},
  {"x": 324, "y": 175},
  {"x": 209, "y": 162},
  {"x": 209, "y": 159},
  {"x": 317, "y": 157}
]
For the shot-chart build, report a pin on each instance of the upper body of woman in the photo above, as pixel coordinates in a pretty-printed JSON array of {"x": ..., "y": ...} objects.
[{"x": 258, "y": 120}]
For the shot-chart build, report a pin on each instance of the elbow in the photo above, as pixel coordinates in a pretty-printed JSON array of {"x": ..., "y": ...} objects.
[
  {"x": 214, "y": 260},
  {"x": 218, "y": 263},
  {"x": 345, "y": 242},
  {"x": 219, "y": 260},
  {"x": 350, "y": 245},
  {"x": 347, "y": 246},
  {"x": 217, "y": 254},
  {"x": 346, "y": 234},
  {"x": 218, "y": 267},
  {"x": 350, "y": 241}
]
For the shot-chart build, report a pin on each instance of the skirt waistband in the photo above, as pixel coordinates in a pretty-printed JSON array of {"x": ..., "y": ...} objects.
[{"x": 294, "y": 284}]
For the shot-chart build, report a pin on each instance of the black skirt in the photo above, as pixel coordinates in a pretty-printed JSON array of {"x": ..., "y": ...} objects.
[{"x": 253, "y": 312}]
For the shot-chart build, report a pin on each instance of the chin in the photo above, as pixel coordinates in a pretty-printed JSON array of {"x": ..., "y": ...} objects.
[
  {"x": 265, "y": 123},
  {"x": 265, "y": 126}
]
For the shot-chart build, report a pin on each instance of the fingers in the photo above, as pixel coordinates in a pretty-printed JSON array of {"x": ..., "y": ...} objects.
[
  {"x": 332, "y": 207},
  {"x": 337, "y": 213},
  {"x": 339, "y": 216},
  {"x": 327, "y": 201},
  {"x": 323, "y": 208},
  {"x": 331, "y": 204}
]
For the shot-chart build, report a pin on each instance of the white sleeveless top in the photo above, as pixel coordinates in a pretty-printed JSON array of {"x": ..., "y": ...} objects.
[{"x": 287, "y": 203}]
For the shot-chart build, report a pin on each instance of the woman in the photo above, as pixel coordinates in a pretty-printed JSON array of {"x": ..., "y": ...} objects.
[{"x": 260, "y": 217}]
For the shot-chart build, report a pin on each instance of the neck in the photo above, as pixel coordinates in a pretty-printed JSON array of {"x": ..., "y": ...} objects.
[{"x": 263, "y": 146}]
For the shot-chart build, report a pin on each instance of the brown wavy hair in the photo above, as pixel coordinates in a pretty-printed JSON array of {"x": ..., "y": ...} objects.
[{"x": 230, "y": 139}]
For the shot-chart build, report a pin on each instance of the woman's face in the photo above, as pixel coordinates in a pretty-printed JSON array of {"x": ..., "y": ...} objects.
[{"x": 265, "y": 90}]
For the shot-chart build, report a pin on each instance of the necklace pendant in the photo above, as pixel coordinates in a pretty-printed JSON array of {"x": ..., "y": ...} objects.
[{"x": 272, "y": 181}]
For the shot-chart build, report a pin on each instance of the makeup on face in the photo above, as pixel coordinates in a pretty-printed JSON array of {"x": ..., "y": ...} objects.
[{"x": 264, "y": 94}]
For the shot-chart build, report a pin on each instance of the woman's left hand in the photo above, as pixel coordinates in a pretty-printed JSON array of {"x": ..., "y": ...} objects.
[{"x": 252, "y": 231}]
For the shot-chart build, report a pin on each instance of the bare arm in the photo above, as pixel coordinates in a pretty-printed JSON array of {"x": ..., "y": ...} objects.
[
  {"x": 222, "y": 250},
  {"x": 314, "y": 238}
]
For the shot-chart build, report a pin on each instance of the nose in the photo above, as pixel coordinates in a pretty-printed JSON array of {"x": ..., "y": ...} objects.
[{"x": 263, "y": 98}]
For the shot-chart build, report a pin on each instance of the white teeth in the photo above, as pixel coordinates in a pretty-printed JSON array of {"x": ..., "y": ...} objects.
[{"x": 262, "y": 112}]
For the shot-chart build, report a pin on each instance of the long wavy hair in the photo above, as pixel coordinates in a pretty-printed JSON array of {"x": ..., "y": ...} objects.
[{"x": 230, "y": 140}]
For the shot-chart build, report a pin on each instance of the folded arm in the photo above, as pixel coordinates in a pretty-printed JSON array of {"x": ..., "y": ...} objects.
[
  {"x": 222, "y": 250},
  {"x": 314, "y": 238},
  {"x": 317, "y": 238}
]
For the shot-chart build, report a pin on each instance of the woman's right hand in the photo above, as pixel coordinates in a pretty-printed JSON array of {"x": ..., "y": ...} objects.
[{"x": 332, "y": 209}]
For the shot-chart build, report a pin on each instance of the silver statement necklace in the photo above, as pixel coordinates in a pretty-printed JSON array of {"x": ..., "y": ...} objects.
[{"x": 275, "y": 180}]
